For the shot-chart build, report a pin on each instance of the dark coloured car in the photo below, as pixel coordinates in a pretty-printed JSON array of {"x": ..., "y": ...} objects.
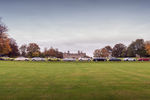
[
  {"x": 2, "y": 59},
  {"x": 99, "y": 59},
  {"x": 114, "y": 59},
  {"x": 54, "y": 60},
  {"x": 144, "y": 59}
]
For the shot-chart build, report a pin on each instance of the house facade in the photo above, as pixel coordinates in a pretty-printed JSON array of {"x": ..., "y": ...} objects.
[{"x": 77, "y": 55}]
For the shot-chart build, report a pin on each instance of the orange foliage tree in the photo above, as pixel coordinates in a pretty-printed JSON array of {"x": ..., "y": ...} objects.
[
  {"x": 147, "y": 47},
  {"x": 4, "y": 40}
]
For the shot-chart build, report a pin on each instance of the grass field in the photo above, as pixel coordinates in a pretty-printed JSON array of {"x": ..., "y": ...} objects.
[{"x": 74, "y": 80}]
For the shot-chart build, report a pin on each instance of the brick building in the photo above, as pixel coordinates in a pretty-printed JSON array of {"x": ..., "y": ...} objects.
[{"x": 80, "y": 54}]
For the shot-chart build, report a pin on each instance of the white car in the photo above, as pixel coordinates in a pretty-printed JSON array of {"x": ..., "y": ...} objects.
[
  {"x": 69, "y": 59},
  {"x": 38, "y": 59},
  {"x": 22, "y": 59},
  {"x": 129, "y": 59},
  {"x": 84, "y": 59}
]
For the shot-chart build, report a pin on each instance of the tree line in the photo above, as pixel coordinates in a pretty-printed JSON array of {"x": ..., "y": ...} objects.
[
  {"x": 9, "y": 47},
  {"x": 138, "y": 48},
  {"x": 33, "y": 50}
]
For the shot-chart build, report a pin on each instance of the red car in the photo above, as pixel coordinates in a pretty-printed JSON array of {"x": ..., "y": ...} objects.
[{"x": 144, "y": 59}]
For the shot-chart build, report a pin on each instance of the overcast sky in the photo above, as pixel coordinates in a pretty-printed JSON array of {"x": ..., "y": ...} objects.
[{"x": 76, "y": 24}]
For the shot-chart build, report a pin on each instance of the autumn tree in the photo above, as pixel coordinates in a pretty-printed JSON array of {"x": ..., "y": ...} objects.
[
  {"x": 23, "y": 50},
  {"x": 52, "y": 53},
  {"x": 44, "y": 53},
  {"x": 137, "y": 48},
  {"x": 104, "y": 52},
  {"x": 109, "y": 50},
  {"x": 14, "y": 48},
  {"x": 147, "y": 47},
  {"x": 119, "y": 50},
  {"x": 33, "y": 50},
  {"x": 4, "y": 40},
  {"x": 97, "y": 53},
  {"x": 58, "y": 53}
]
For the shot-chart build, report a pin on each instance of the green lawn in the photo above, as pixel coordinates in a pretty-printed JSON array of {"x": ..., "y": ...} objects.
[{"x": 74, "y": 80}]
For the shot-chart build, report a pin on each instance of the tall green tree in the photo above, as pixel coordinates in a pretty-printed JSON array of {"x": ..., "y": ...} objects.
[{"x": 137, "y": 47}]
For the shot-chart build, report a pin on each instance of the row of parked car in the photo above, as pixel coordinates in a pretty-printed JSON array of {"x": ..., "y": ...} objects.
[
  {"x": 124, "y": 59},
  {"x": 32, "y": 59},
  {"x": 23, "y": 59},
  {"x": 104, "y": 59},
  {"x": 72, "y": 59}
]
